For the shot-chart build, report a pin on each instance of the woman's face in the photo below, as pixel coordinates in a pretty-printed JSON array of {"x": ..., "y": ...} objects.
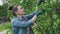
[{"x": 20, "y": 10}]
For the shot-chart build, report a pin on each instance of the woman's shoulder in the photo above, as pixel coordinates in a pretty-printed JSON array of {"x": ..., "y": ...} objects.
[{"x": 14, "y": 19}]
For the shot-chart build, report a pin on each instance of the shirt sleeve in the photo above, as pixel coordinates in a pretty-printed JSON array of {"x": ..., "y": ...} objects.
[
  {"x": 29, "y": 16},
  {"x": 18, "y": 23}
]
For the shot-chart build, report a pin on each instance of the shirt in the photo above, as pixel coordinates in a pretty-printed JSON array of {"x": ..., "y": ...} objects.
[{"x": 19, "y": 26}]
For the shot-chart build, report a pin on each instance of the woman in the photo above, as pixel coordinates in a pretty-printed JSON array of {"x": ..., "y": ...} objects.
[{"x": 21, "y": 24}]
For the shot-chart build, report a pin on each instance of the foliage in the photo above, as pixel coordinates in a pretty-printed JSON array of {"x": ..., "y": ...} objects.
[
  {"x": 5, "y": 26},
  {"x": 48, "y": 23}
]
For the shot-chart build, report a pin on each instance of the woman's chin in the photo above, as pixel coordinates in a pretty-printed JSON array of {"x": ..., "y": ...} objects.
[{"x": 22, "y": 14}]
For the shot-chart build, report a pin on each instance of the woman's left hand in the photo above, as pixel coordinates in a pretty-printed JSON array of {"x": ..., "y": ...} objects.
[{"x": 37, "y": 8}]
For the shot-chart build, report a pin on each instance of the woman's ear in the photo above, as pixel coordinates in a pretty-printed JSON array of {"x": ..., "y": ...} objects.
[{"x": 16, "y": 12}]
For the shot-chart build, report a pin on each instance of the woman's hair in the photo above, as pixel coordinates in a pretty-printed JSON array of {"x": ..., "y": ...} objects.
[{"x": 13, "y": 9}]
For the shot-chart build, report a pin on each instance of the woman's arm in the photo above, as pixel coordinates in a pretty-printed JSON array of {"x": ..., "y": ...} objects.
[
  {"x": 29, "y": 16},
  {"x": 34, "y": 18},
  {"x": 19, "y": 23},
  {"x": 22, "y": 23}
]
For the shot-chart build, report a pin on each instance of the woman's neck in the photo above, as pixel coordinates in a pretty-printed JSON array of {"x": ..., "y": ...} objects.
[{"x": 20, "y": 16}]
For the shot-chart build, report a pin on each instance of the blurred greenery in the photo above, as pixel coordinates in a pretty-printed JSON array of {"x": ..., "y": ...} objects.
[
  {"x": 6, "y": 26},
  {"x": 48, "y": 23}
]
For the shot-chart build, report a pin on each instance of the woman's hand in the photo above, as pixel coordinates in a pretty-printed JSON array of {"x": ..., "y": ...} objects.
[{"x": 37, "y": 8}]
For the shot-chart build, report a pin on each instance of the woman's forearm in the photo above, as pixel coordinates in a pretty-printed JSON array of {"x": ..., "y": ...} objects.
[{"x": 34, "y": 18}]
